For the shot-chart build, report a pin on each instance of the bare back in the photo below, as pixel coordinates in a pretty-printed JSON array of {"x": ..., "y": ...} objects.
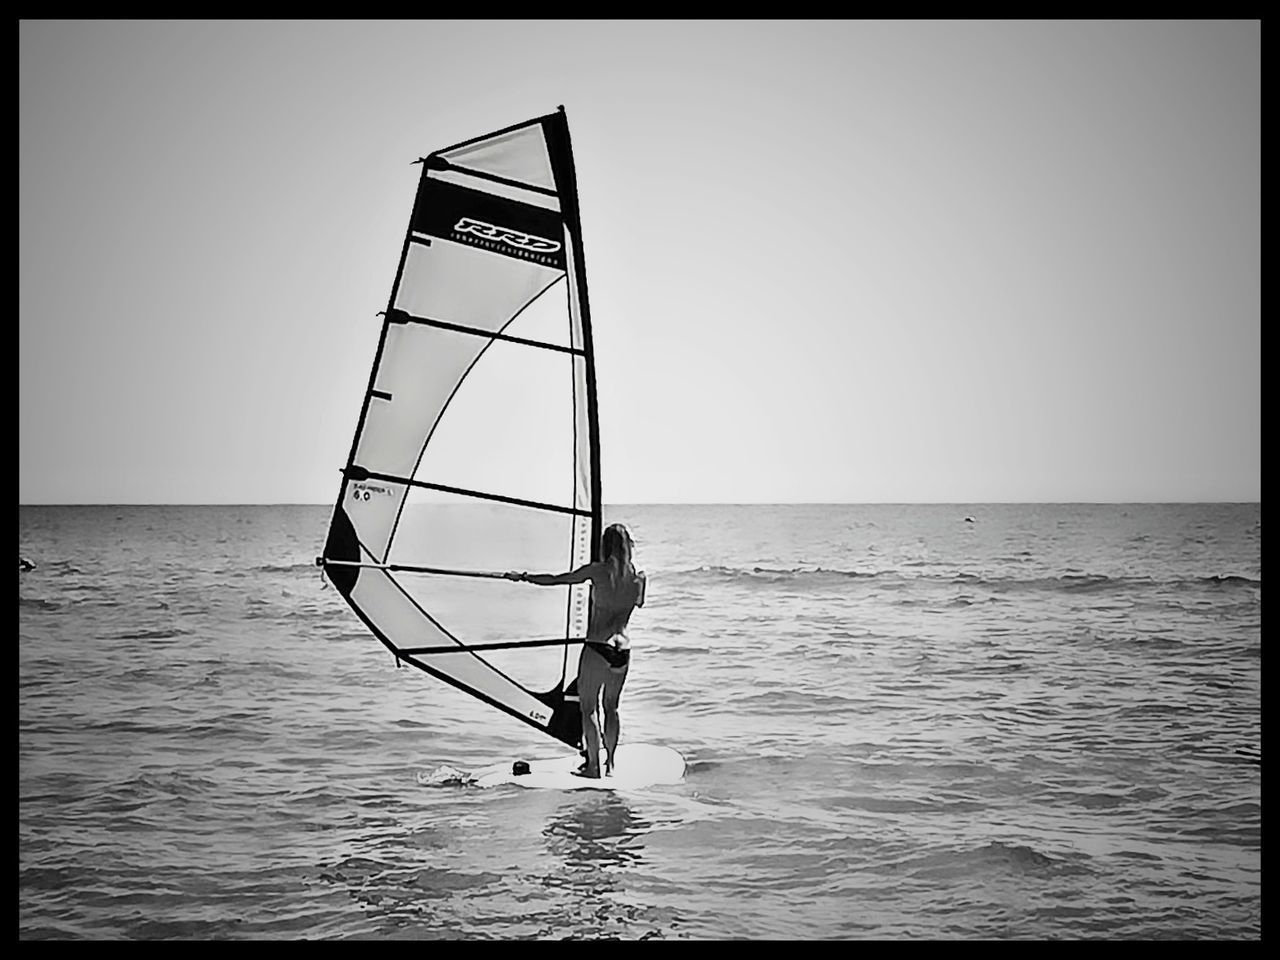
[{"x": 612, "y": 600}]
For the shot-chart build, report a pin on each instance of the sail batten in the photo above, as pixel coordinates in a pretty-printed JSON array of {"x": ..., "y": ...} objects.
[
  {"x": 477, "y": 444},
  {"x": 402, "y": 317},
  {"x": 491, "y": 177},
  {"x": 511, "y": 645},
  {"x": 476, "y": 494}
]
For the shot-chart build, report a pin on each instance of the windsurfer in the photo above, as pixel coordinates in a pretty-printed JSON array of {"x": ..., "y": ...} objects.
[{"x": 617, "y": 588}]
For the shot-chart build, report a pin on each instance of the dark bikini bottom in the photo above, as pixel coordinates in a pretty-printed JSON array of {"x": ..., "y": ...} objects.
[{"x": 615, "y": 657}]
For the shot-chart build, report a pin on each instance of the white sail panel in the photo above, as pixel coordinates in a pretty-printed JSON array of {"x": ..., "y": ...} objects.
[
  {"x": 421, "y": 367},
  {"x": 448, "y": 529},
  {"x": 518, "y": 155},
  {"x": 544, "y": 320},
  {"x": 519, "y": 399},
  {"x": 467, "y": 285},
  {"x": 394, "y": 613}
]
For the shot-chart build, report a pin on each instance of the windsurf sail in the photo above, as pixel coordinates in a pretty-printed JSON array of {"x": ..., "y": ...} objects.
[{"x": 477, "y": 447}]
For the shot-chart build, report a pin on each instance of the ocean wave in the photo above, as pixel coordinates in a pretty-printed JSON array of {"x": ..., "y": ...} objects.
[
  {"x": 162, "y": 785},
  {"x": 48, "y": 878},
  {"x": 1101, "y": 583},
  {"x": 161, "y": 634},
  {"x": 135, "y": 728},
  {"x": 286, "y": 567},
  {"x": 58, "y": 567},
  {"x": 751, "y": 575},
  {"x": 1230, "y": 580},
  {"x": 1150, "y": 642},
  {"x": 994, "y": 857},
  {"x": 673, "y": 648},
  {"x": 1023, "y": 859},
  {"x": 1065, "y": 583}
]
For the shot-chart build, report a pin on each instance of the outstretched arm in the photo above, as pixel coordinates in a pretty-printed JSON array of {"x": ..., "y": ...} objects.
[{"x": 581, "y": 575}]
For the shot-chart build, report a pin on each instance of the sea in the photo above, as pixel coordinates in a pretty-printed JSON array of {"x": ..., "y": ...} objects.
[{"x": 900, "y": 722}]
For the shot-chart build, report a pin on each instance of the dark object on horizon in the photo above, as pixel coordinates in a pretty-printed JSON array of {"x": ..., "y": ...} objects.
[
  {"x": 24, "y": 564},
  {"x": 519, "y": 768},
  {"x": 970, "y": 520}
]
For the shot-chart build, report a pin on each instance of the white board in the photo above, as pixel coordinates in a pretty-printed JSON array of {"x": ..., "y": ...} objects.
[{"x": 636, "y": 765}]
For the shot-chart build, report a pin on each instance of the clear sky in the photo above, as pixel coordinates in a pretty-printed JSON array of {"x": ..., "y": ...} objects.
[{"x": 828, "y": 261}]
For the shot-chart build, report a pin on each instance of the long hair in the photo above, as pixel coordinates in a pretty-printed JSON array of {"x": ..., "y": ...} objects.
[{"x": 615, "y": 550}]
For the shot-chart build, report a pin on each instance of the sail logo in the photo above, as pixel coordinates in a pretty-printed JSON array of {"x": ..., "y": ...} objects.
[
  {"x": 363, "y": 491},
  {"x": 506, "y": 235}
]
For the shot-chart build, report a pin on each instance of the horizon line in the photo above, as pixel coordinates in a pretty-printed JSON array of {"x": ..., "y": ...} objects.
[{"x": 686, "y": 503}]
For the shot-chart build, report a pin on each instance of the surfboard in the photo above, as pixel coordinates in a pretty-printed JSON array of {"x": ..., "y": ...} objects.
[{"x": 637, "y": 765}]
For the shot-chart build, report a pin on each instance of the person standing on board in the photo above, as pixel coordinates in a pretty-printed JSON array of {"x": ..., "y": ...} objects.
[{"x": 616, "y": 590}]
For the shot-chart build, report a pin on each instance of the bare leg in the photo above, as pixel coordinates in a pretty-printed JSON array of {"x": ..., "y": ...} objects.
[
  {"x": 612, "y": 727},
  {"x": 591, "y": 740},
  {"x": 612, "y": 723},
  {"x": 591, "y": 676}
]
